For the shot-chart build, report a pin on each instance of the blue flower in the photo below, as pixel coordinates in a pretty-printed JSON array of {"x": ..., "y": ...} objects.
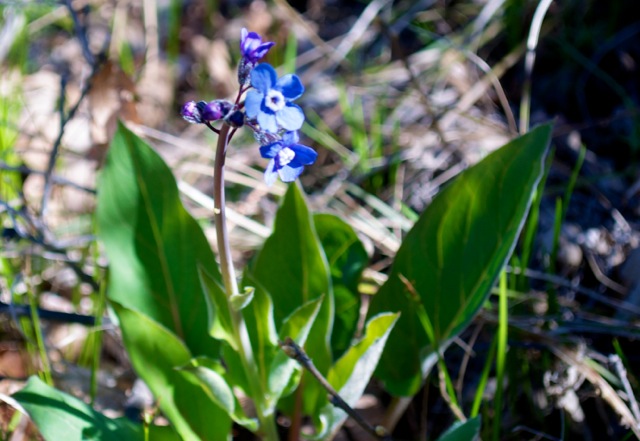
[
  {"x": 252, "y": 47},
  {"x": 270, "y": 102},
  {"x": 288, "y": 158}
]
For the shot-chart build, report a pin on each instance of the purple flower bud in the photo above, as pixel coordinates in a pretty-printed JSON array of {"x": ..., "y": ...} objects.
[
  {"x": 191, "y": 112},
  {"x": 215, "y": 110},
  {"x": 252, "y": 47}
]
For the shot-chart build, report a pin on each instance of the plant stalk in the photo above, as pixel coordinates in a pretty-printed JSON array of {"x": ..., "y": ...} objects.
[
  {"x": 219, "y": 216},
  {"x": 241, "y": 336}
]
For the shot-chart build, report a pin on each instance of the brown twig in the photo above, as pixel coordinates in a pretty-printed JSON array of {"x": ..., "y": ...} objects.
[
  {"x": 295, "y": 352},
  {"x": 96, "y": 63}
]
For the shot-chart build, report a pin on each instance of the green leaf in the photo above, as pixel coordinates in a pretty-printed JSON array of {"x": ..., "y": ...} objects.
[
  {"x": 347, "y": 259},
  {"x": 241, "y": 300},
  {"x": 154, "y": 246},
  {"x": 220, "y": 326},
  {"x": 467, "y": 431},
  {"x": 60, "y": 416},
  {"x": 352, "y": 372},
  {"x": 155, "y": 354},
  {"x": 258, "y": 316},
  {"x": 292, "y": 268},
  {"x": 452, "y": 256}
]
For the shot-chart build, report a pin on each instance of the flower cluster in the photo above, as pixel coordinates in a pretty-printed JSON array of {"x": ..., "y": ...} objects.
[{"x": 268, "y": 110}]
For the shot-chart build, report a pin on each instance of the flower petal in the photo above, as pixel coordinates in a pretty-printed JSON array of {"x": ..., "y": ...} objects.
[
  {"x": 289, "y": 174},
  {"x": 290, "y": 117},
  {"x": 262, "y": 50},
  {"x": 290, "y": 138},
  {"x": 270, "y": 174},
  {"x": 252, "y": 103},
  {"x": 267, "y": 121},
  {"x": 290, "y": 86},
  {"x": 263, "y": 77},
  {"x": 249, "y": 41},
  {"x": 271, "y": 150},
  {"x": 304, "y": 155}
]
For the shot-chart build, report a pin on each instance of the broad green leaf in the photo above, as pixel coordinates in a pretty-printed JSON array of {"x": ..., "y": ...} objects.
[
  {"x": 281, "y": 367},
  {"x": 60, "y": 416},
  {"x": 350, "y": 375},
  {"x": 467, "y": 431},
  {"x": 347, "y": 259},
  {"x": 220, "y": 326},
  {"x": 155, "y": 354},
  {"x": 292, "y": 268},
  {"x": 258, "y": 317},
  {"x": 154, "y": 246},
  {"x": 452, "y": 256}
]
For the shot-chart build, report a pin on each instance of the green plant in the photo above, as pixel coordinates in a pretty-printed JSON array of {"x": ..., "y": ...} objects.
[{"x": 200, "y": 339}]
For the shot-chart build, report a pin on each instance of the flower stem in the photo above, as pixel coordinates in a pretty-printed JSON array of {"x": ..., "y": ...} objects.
[
  {"x": 219, "y": 216},
  {"x": 241, "y": 336}
]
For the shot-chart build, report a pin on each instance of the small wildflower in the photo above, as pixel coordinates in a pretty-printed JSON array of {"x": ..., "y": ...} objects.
[
  {"x": 288, "y": 158},
  {"x": 252, "y": 49},
  {"x": 191, "y": 112},
  {"x": 270, "y": 103}
]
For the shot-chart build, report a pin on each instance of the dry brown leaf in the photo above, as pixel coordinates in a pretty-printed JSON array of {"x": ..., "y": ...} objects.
[
  {"x": 111, "y": 97},
  {"x": 155, "y": 93}
]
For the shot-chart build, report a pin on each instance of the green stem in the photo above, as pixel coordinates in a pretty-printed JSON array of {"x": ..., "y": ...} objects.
[
  {"x": 241, "y": 336},
  {"x": 37, "y": 332},
  {"x": 503, "y": 313}
]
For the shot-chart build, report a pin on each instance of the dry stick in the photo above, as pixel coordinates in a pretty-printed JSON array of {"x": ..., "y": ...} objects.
[
  {"x": 605, "y": 300},
  {"x": 607, "y": 392},
  {"x": 442, "y": 385},
  {"x": 624, "y": 378},
  {"x": 23, "y": 169},
  {"x": 295, "y": 352},
  {"x": 465, "y": 360},
  {"x": 19, "y": 310},
  {"x": 81, "y": 33},
  {"x": 424, "y": 97},
  {"x": 96, "y": 64},
  {"x": 40, "y": 239}
]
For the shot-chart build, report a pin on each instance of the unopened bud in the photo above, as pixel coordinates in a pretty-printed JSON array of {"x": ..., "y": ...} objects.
[
  {"x": 215, "y": 110},
  {"x": 235, "y": 119},
  {"x": 191, "y": 112}
]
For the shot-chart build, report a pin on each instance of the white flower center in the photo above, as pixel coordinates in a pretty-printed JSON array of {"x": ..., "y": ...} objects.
[
  {"x": 274, "y": 100},
  {"x": 285, "y": 156}
]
